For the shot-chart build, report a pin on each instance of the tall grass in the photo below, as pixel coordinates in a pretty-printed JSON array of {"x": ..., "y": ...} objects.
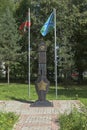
[{"x": 74, "y": 121}]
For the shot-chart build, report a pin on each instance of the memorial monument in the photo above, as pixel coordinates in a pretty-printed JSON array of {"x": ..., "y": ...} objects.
[{"x": 42, "y": 83}]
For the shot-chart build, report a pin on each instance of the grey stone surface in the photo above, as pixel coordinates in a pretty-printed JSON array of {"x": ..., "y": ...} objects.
[{"x": 44, "y": 103}]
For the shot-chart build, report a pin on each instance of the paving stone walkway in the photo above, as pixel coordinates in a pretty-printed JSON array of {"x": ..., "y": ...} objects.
[{"x": 38, "y": 118}]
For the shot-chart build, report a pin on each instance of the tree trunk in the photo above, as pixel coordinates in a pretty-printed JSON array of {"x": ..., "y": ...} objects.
[
  {"x": 65, "y": 77},
  {"x": 8, "y": 77},
  {"x": 80, "y": 76}
]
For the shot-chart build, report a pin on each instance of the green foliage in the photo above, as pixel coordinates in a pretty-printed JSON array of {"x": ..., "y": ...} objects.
[
  {"x": 21, "y": 68},
  {"x": 80, "y": 37},
  {"x": 7, "y": 120},
  {"x": 71, "y": 35},
  {"x": 4, "y": 4},
  {"x": 9, "y": 37},
  {"x": 67, "y": 26},
  {"x": 74, "y": 121}
]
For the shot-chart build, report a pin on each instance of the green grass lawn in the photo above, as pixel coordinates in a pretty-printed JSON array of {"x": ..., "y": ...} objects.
[
  {"x": 20, "y": 92},
  {"x": 7, "y": 120}
]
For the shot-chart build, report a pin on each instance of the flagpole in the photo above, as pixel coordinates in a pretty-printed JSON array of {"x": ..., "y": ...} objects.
[
  {"x": 29, "y": 53},
  {"x": 55, "y": 52}
]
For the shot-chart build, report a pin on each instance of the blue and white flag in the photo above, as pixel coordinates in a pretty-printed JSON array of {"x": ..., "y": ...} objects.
[{"x": 48, "y": 26}]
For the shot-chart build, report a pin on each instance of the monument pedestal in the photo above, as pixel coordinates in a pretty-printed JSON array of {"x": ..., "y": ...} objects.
[{"x": 44, "y": 103}]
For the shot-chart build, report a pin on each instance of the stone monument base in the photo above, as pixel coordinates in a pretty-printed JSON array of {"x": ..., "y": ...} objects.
[{"x": 42, "y": 104}]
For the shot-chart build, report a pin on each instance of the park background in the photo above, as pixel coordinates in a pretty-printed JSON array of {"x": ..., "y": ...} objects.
[
  {"x": 71, "y": 23},
  {"x": 71, "y": 16}
]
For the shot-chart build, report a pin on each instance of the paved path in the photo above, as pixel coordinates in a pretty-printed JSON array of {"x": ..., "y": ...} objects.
[{"x": 38, "y": 118}]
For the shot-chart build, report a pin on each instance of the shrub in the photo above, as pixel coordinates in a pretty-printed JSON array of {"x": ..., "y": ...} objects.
[
  {"x": 74, "y": 121},
  {"x": 7, "y": 120}
]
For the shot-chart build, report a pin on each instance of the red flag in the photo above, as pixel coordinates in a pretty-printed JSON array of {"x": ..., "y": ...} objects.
[{"x": 24, "y": 25}]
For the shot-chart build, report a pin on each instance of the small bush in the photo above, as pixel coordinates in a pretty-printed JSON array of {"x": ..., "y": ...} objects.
[
  {"x": 7, "y": 120},
  {"x": 74, "y": 121}
]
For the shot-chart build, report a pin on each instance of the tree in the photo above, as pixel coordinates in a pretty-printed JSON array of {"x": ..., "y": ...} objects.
[
  {"x": 4, "y": 4},
  {"x": 40, "y": 11},
  {"x": 68, "y": 25},
  {"x": 21, "y": 15},
  {"x": 9, "y": 38},
  {"x": 80, "y": 38}
]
